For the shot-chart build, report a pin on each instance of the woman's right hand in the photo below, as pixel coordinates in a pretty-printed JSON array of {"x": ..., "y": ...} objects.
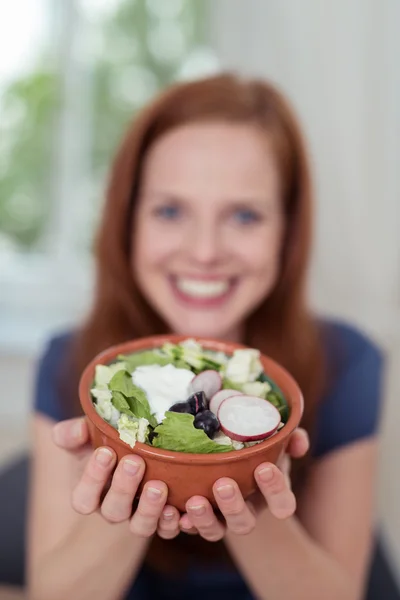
[{"x": 152, "y": 513}]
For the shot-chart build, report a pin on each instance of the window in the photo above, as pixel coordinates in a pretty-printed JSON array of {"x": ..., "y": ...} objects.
[
  {"x": 72, "y": 74},
  {"x": 28, "y": 102}
]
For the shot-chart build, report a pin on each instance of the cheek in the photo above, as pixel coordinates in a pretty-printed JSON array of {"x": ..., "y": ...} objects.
[
  {"x": 262, "y": 253},
  {"x": 152, "y": 247}
]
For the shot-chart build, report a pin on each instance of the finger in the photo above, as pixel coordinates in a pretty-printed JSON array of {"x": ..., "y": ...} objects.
[
  {"x": 144, "y": 522},
  {"x": 117, "y": 504},
  {"x": 299, "y": 443},
  {"x": 272, "y": 483},
  {"x": 256, "y": 503},
  {"x": 86, "y": 494},
  {"x": 168, "y": 525},
  {"x": 71, "y": 434},
  {"x": 239, "y": 518},
  {"x": 186, "y": 525},
  {"x": 285, "y": 465},
  {"x": 204, "y": 520}
]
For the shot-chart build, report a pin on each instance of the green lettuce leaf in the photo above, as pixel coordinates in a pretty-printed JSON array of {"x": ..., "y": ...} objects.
[
  {"x": 190, "y": 355},
  {"x": 256, "y": 388},
  {"x": 147, "y": 357},
  {"x": 141, "y": 410},
  {"x": 154, "y": 357},
  {"x": 122, "y": 387},
  {"x": 228, "y": 384},
  {"x": 122, "y": 382},
  {"x": 278, "y": 401},
  {"x": 276, "y": 397},
  {"x": 132, "y": 430},
  {"x": 244, "y": 365},
  {"x": 104, "y": 374},
  {"x": 178, "y": 433},
  {"x": 121, "y": 403}
]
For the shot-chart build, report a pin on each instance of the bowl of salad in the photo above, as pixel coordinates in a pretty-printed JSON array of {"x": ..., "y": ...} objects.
[{"x": 194, "y": 409}]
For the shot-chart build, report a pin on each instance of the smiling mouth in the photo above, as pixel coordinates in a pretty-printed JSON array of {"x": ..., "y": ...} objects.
[{"x": 203, "y": 292}]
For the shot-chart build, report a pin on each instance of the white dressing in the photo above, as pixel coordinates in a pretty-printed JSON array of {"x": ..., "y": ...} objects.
[{"x": 164, "y": 386}]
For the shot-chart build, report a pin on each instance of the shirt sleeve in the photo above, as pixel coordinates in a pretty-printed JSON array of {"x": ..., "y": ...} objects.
[
  {"x": 351, "y": 409},
  {"x": 48, "y": 399}
]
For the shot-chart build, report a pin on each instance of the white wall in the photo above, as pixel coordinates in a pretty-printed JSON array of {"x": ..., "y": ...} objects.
[
  {"x": 338, "y": 63},
  {"x": 16, "y": 377}
]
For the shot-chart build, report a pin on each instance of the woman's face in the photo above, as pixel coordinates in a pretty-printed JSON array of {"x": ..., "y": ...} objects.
[{"x": 208, "y": 227}]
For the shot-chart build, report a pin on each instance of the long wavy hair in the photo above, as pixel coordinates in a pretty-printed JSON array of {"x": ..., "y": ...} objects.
[{"x": 282, "y": 326}]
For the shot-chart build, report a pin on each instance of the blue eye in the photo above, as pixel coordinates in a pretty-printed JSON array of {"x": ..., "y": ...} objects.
[
  {"x": 168, "y": 212},
  {"x": 246, "y": 216}
]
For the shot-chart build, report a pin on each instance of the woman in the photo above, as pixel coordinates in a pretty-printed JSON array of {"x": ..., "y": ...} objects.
[{"x": 206, "y": 231}]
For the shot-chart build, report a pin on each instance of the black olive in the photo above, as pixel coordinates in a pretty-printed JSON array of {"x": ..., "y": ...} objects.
[
  {"x": 198, "y": 402},
  {"x": 182, "y": 407},
  {"x": 151, "y": 436},
  {"x": 207, "y": 421}
]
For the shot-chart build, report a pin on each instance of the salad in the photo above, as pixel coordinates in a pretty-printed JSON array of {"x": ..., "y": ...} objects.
[{"x": 185, "y": 398}]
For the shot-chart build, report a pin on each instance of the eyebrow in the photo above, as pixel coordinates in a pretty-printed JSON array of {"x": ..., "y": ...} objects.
[
  {"x": 257, "y": 202},
  {"x": 164, "y": 196}
]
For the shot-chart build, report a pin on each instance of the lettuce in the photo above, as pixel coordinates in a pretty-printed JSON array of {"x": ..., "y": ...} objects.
[
  {"x": 256, "y": 388},
  {"x": 107, "y": 411},
  {"x": 104, "y": 374},
  {"x": 129, "y": 397},
  {"x": 147, "y": 357},
  {"x": 178, "y": 433},
  {"x": 228, "y": 384},
  {"x": 243, "y": 366},
  {"x": 190, "y": 355},
  {"x": 221, "y": 438},
  {"x": 132, "y": 430}
]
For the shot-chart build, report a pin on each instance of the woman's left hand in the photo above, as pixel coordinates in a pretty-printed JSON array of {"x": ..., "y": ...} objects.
[{"x": 274, "y": 491}]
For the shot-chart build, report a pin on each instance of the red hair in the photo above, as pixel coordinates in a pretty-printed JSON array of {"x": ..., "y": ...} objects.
[{"x": 282, "y": 326}]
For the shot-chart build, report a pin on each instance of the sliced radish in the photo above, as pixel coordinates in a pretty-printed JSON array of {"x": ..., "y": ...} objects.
[
  {"x": 220, "y": 396},
  {"x": 209, "y": 382},
  {"x": 248, "y": 418}
]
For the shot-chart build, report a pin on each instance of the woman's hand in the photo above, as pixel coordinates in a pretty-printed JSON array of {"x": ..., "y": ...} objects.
[
  {"x": 152, "y": 513},
  {"x": 274, "y": 492}
]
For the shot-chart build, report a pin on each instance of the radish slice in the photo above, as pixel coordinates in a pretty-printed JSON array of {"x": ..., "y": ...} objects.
[
  {"x": 248, "y": 418},
  {"x": 220, "y": 396},
  {"x": 209, "y": 382}
]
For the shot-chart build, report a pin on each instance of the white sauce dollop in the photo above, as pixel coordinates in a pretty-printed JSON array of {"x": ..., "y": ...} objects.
[{"x": 164, "y": 386}]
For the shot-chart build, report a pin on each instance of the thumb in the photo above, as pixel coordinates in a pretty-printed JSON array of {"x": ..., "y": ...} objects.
[{"x": 71, "y": 434}]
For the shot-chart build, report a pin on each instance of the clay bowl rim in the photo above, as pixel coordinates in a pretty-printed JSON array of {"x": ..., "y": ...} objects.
[{"x": 170, "y": 456}]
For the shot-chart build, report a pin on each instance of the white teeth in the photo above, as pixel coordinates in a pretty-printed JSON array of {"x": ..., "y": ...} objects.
[{"x": 202, "y": 289}]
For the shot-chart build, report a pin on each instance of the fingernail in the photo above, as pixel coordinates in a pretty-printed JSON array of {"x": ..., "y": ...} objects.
[
  {"x": 76, "y": 430},
  {"x": 168, "y": 516},
  {"x": 266, "y": 474},
  {"x": 153, "y": 493},
  {"x": 198, "y": 510},
  {"x": 226, "y": 492},
  {"x": 131, "y": 467},
  {"x": 104, "y": 456}
]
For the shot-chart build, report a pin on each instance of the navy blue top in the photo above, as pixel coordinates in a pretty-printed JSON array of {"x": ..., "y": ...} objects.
[{"x": 349, "y": 412}]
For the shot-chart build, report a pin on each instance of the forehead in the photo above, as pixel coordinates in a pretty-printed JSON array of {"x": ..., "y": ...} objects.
[{"x": 200, "y": 155}]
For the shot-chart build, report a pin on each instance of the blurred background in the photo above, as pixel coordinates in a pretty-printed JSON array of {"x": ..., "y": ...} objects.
[{"x": 74, "y": 72}]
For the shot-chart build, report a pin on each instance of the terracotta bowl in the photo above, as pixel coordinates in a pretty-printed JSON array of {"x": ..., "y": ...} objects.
[{"x": 187, "y": 475}]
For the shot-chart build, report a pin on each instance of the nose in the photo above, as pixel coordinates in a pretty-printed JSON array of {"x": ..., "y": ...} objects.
[{"x": 204, "y": 244}]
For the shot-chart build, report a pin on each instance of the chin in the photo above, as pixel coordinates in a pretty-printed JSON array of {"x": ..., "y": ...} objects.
[{"x": 200, "y": 327}]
